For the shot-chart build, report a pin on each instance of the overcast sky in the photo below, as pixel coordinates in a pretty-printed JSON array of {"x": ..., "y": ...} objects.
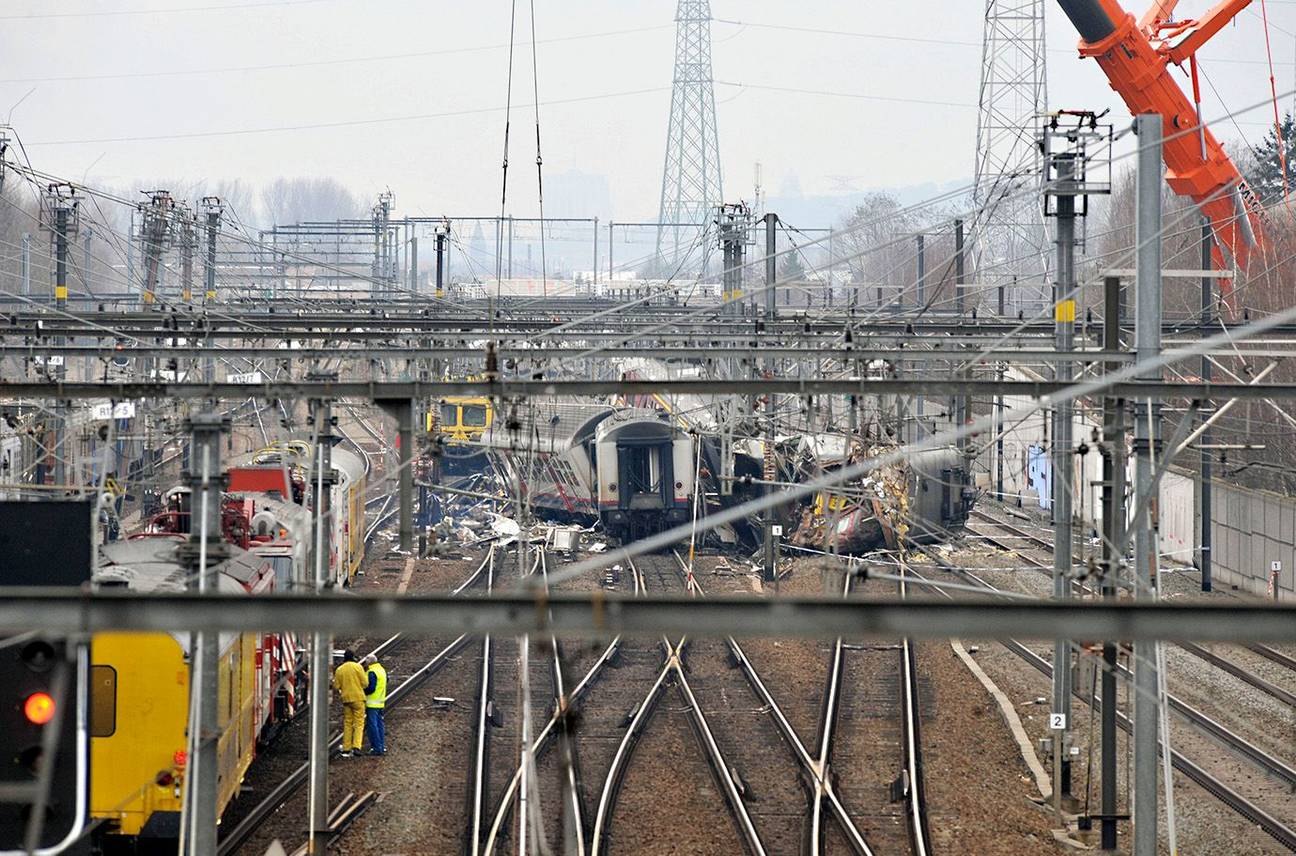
[{"x": 155, "y": 94}]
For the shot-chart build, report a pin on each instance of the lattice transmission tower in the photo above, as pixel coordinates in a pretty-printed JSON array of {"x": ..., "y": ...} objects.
[
  {"x": 1009, "y": 239},
  {"x": 691, "y": 186}
]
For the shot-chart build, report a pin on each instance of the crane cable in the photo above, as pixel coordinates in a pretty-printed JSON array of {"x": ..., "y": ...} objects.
[
  {"x": 535, "y": 81},
  {"x": 1273, "y": 89},
  {"x": 508, "y": 112}
]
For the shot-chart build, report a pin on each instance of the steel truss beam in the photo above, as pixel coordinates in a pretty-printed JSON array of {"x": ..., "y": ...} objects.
[
  {"x": 602, "y": 614},
  {"x": 572, "y": 351},
  {"x": 707, "y": 387}
]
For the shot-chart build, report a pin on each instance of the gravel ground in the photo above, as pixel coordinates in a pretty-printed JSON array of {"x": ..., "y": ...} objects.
[
  {"x": 406, "y": 728},
  {"x": 961, "y": 721}
]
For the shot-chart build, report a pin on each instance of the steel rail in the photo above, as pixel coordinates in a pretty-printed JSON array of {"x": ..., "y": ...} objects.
[
  {"x": 817, "y": 772},
  {"x": 345, "y": 813},
  {"x": 719, "y": 766},
  {"x": 558, "y": 717},
  {"x": 1211, "y": 657},
  {"x": 1273, "y": 656},
  {"x": 1194, "y": 716},
  {"x": 477, "y": 792},
  {"x": 808, "y": 765},
  {"x": 545, "y": 739},
  {"x": 612, "y": 783},
  {"x": 239, "y": 835},
  {"x": 828, "y": 719},
  {"x": 642, "y": 714},
  {"x": 562, "y": 703},
  {"x": 1271, "y": 825},
  {"x": 911, "y": 726},
  {"x": 1237, "y": 671}
]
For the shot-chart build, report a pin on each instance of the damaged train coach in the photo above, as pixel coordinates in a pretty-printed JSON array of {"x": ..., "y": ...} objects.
[{"x": 632, "y": 470}]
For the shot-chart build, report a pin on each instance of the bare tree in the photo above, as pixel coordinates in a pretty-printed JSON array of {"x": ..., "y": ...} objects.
[{"x": 294, "y": 200}]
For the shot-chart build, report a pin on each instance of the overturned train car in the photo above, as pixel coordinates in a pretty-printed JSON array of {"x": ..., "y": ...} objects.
[
  {"x": 631, "y": 470},
  {"x": 922, "y": 499}
]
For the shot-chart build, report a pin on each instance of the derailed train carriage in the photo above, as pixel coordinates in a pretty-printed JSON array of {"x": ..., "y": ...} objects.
[
  {"x": 921, "y": 498},
  {"x": 632, "y": 470}
]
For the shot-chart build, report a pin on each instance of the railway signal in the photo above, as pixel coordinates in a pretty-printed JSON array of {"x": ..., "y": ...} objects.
[{"x": 43, "y": 744}]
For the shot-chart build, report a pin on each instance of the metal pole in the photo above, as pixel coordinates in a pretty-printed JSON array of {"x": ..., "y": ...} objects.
[
  {"x": 1113, "y": 497},
  {"x": 1205, "y": 511},
  {"x": 85, "y": 266},
  {"x": 321, "y": 644},
  {"x": 1147, "y": 345},
  {"x": 204, "y": 551},
  {"x": 958, "y": 265},
  {"x": 130, "y": 251},
  {"x": 214, "y": 211},
  {"x": 610, "y": 238},
  {"x": 771, "y": 250},
  {"x": 60, "y": 371},
  {"x": 960, "y": 401},
  {"x": 921, "y": 288},
  {"x": 405, "y": 430},
  {"x": 922, "y": 273},
  {"x": 1063, "y": 470},
  {"x": 413, "y": 265},
  {"x": 26, "y": 264},
  {"x": 594, "y": 286},
  {"x": 440, "y": 264},
  {"x": 999, "y": 441},
  {"x": 186, "y": 257}
]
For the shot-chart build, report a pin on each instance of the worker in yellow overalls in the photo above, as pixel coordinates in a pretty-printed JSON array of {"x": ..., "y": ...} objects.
[{"x": 349, "y": 681}]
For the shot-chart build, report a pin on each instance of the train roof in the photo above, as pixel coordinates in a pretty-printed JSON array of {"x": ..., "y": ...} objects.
[
  {"x": 151, "y": 565},
  {"x": 637, "y": 423},
  {"x": 552, "y": 426},
  {"x": 348, "y": 464},
  {"x": 299, "y": 453}
]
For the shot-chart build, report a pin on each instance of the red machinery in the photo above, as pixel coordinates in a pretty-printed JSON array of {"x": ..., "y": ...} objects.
[{"x": 1135, "y": 55}]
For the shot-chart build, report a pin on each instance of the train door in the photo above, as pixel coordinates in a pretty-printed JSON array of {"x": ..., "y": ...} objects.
[{"x": 647, "y": 475}]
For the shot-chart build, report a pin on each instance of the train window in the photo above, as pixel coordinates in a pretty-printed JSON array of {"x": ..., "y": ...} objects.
[
  {"x": 474, "y": 415},
  {"x": 103, "y": 701},
  {"x": 449, "y": 415}
]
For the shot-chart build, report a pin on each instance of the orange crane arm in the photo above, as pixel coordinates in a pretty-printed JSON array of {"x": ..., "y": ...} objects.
[{"x": 1136, "y": 56}]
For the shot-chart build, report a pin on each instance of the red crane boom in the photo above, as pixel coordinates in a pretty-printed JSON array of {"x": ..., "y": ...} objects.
[{"x": 1135, "y": 56}]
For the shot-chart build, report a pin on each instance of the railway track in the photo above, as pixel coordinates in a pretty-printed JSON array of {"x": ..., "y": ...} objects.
[
  {"x": 556, "y": 732},
  {"x": 772, "y": 799},
  {"x": 1277, "y": 828},
  {"x": 1240, "y": 672},
  {"x": 239, "y": 835},
  {"x": 670, "y": 673},
  {"x": 1196, "y": 717}
]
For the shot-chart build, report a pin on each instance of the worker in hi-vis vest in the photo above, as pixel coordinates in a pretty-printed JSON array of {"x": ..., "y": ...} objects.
[{"x": 375, "y": 703}]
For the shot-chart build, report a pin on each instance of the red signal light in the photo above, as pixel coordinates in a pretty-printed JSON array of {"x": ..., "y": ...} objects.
[{"x": 39, "y": 708}]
